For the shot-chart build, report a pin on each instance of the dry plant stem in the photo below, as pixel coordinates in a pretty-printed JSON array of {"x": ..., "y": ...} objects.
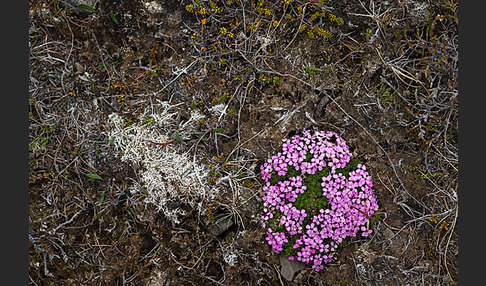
[
  {"x": 195, "y": 146},
  {"x": 202, "y": 276},
  {"x": 374, "y": 140},
  {"x": 102, "y": 60},
  {"x": 66, "y": 62},
  {"x": 398, "y": 71},
  {"x": 374, "y": 15},
  {"x": 242, "y": 103},
  {"x": 451, "y": 231},
  {"x": 392, "y": 192},
  {"x": 178, "y": 74},
  {"x": 229, "y": 101},
  {"x": 67, "y": 222},
  {"x": 240, "y": 145}
]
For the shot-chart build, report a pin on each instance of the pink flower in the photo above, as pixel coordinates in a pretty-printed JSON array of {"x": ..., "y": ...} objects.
[{"x": 350, "y": 199}]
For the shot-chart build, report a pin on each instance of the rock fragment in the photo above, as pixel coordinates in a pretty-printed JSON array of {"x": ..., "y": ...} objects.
[
  {"x": 221, "y": 225},
  {"x": 289, "y": 267}
]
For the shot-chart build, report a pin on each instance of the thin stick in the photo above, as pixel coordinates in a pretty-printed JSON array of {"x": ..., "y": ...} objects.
[
  {"x": 239, "y": 145},
  {"x": 374, "y": 140},
  {"x": 67, "y": 222},
  {"x": 182, "y": 71},
  {"x": 202, "y": 276}
]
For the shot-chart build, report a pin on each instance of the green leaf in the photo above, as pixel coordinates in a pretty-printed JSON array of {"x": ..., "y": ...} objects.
[
  {"x": 199, "y": 135},
  {"x": 217, "y": 130},
  {"x": 102, "y": 198},
  {"x": 93, "y": 176},
  {"x": 378, "y": 216},
  {"x": 86, "y": 7},
  {"x": 113, "y": 17}
]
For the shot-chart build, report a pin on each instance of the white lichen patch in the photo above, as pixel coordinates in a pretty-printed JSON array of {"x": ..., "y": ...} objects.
[
  {"x": 167, "y": 177},
  {"x": 153, "y": 7},
  {"x": 230, "y": 255},
  {"x": 218, "y": 110}
]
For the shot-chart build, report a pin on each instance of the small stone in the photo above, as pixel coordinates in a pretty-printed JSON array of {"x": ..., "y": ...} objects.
[
  {"x": 289, "y": 267},
  {"x": 388, "y": 233},
  {"x": 299, "y": 277},
  {"x": 79, "y": 68},
  {"x": 221, "y": 225}
]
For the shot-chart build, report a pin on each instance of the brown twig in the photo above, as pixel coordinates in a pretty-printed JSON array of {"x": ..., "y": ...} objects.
[{"x": 160, "y": 143}]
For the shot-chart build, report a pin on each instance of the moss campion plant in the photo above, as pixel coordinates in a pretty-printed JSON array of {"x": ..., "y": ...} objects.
[{"x": 315, "y": 196}]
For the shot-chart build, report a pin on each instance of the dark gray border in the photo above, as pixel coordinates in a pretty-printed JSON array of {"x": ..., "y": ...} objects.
[
  {"x": 472, "y": 109},
  {"x": 14, "y": 118}
]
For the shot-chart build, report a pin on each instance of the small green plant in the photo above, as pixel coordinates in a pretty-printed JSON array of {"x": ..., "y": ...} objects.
[
  {"x": 267, "y": 79},
  {"x": 324, "y": 33},
  {"x": 274, "y": 23},
  {"x": 368, "y": 34},
  {"x": 128, "y": 119},
  {"x": 93, "y": 87},
  {"x": 310, "y": 33},
  {"x": 385, "y": 94},
  {"x": 87, "y": 8},
  {"x": 42, "y": 176},
  {"x": 253, "y": 26},
  {"x": 310, "y": 70},
  {"x": 38, "y": 145},
  {"x": 335, "y": 19},
  {"x": 231, "y": 113},
  {"x": 102, "y": 197},
  {"x": 216, "y": 130},
  {"x": 221, "y": 99},
  {"x": 274, "y": 278},
  {"x": 440, "y": 221},
  {"x": 93, "y": 10},
  {"x": 112, "y": 16},
  {"x": 149, "y": 120},
  {"x": 214, "y": 175},
  {"x": 423, "y": 174},
  {"x": 229, "y": 238},
  {"x": 210, "y": 213},
  {"x": 92, "y": 177}
]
